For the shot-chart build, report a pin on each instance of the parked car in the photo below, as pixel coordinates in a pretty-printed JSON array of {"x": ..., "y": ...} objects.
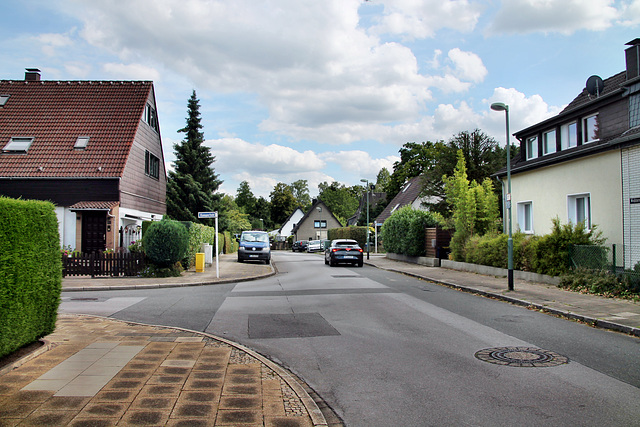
[
  {"x": 254, "y": 246},
  {"x": 342, "y": 251},
  {"x": 300, "y": 246},
  {"x": 314, "y": 246}
]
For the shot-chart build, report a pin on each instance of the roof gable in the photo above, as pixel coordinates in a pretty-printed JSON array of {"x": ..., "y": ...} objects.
[
  {"x": 410, "y": 193},
  {"x": 56, "y": 113}
]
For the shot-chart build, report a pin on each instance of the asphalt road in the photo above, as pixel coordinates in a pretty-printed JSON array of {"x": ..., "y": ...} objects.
[{"x": 385, "y": 349}]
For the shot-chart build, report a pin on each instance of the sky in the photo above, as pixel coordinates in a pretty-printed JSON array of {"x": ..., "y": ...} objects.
[{"x": 325, "y": 90}]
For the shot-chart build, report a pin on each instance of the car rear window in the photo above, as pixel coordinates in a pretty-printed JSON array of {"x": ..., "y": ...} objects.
[{"x": 346, "y": 244}]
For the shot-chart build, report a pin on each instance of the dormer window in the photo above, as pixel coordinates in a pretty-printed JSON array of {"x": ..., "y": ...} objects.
[
  {"x": 549, "y": 142},
  {"x": 18, "y": 145},
  {"x": 532, "y": 147},
  {"x": 590, "y": 129},
  {"x": 569, "y": 135},
  {"x": 81, "y": 143},
  {"x": 4, "y": 99}
]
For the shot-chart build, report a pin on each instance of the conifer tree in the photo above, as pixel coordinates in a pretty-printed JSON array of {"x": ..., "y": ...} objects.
[{"x": 193, "y": 182}]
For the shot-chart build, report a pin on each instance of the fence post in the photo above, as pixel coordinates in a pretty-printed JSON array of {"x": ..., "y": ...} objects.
[{"x": 613, "y": 263}]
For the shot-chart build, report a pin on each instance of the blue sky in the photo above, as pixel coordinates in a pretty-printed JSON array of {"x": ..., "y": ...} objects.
[{"x": 325, "y": 90}]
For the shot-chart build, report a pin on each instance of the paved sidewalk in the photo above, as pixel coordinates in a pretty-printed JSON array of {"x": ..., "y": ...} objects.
[
  {"x": 103, "y": 372},
  {"x": 610, "y": 313},
  {"x": 229, "y": 269}
]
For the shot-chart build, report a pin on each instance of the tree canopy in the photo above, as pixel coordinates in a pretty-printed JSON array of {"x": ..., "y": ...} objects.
[{"x": 192, "y": 184}]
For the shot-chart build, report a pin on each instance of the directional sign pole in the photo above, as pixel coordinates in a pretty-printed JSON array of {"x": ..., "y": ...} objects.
[{"x": 217, "y": 253}]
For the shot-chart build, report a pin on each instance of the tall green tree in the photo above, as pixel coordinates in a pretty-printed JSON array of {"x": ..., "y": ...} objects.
[
  {"x": 193, "y": 183},
  {"x": 283, "y": 203},
  {"x": 300, "y": 190},
  {"x": 245, "y": 199},
  {"x": 474, "y": 206},
  {"x": 382, "y": 180},
  {"x": 341, "y": 200}
]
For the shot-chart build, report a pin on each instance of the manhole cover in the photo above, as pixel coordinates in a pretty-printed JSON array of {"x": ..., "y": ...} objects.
[{"x": 523, "y": 357}]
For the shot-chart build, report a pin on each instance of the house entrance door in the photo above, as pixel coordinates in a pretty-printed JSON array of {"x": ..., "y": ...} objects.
[{"x": 94, "y": 231}]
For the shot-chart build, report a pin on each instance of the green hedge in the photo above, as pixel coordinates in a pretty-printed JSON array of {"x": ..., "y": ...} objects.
[
  {"x": 404, "y": 231},
  {"x": 548, "y": 254},
  {"x": 198, "y": 234},
  {"x": 30, "y": 272},
  {"x": 359, "y": 234}
]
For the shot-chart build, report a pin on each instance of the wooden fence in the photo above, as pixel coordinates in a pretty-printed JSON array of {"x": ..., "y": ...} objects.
[{"x": 103, "y": 264}]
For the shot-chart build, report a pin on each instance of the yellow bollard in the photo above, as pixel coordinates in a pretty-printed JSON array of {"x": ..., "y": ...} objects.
[{"x": 199, "y": 262}]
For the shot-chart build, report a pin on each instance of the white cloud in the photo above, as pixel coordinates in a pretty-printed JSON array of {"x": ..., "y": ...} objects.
[
  {"x": 422, "y": 19},
  {"x": 467, "y": 65},
  {"x": 131, "y": 71},
  {"x": 359, "y": 163},
  {"x": 630, "y": 13},
  {"x": 51, "y": 42},
  {"x": 554, "y": 16}
]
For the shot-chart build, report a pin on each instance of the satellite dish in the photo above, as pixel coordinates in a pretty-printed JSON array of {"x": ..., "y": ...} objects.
[{"x": 595, "y": 85}]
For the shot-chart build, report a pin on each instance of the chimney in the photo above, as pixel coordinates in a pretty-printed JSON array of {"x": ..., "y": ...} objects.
[
  {"x": 32, "y": 75},
  {"x": 632, "y": 56}
]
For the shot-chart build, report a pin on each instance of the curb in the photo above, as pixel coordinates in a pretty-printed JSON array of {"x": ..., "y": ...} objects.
[
  {"x": 46, "y": 346},
  {"x": 168, "y": 285},
  {"x": 598, "y": 323}
]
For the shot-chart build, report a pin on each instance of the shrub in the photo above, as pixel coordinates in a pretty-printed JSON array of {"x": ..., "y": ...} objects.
[
  {"x": 30, "y": 272},
  {"x": 552, "y": 250},
  {"x": 598, "y": 282},
  {"x": 404, "y": 231},
  {"x": 359, "y": 234},
  {"x": 166, "y": 242},
  {"x": 198, "y": 234}
]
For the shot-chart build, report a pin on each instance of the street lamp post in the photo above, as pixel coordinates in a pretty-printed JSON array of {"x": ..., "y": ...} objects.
[
  {"x": 499, "y": 106},
  {"x": 367, "y": 184}
]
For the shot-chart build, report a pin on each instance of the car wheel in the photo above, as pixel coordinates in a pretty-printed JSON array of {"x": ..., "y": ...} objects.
[
  {"x": 240, "y": 260},
  {"x": 360, "y": 263},
  {"x": 325, "y": 261}
]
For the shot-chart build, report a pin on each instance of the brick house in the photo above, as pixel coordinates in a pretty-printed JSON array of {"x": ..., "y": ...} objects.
[
  {"x": 315, "y": 224},
  {"x": 584, "y": 163},
  {"x": 93, "y": 148}
]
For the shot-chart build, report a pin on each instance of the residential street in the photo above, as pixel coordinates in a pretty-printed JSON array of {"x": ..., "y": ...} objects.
[{"x": 383, "y": 348}]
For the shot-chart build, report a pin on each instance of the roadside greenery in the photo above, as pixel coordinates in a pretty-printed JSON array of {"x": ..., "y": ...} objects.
[
  {"x": 166, "y": 243},
  {"x": 404, "y": 231},
  {"x": 30, "y": 272}
]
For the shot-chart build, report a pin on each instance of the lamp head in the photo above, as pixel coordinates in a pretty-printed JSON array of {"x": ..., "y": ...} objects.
[
  {"x": 364, "y": 180},
  {"x": 499, "y": 106}
]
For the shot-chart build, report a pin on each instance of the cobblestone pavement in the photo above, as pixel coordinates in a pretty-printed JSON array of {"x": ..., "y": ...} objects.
[{"x": 102, "y": 372}]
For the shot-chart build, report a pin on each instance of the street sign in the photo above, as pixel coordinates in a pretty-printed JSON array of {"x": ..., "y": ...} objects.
[{"x": 207, "y": 214}]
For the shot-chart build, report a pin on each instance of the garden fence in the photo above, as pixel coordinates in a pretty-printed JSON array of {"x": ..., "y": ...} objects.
[
  {"x": 618, "y": 259},
  {"x": 103, "y": 264}
]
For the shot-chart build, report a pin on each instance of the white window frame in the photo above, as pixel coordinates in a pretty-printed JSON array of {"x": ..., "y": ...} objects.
[
  {"x": 548, "y": 146},
  {"x": 521, "y": 209},
  {"x": 320, "y": 223},
  {"x": 582, "y": 202},
  {"x": 585, "y": 133},
  {"x": 531, "y": 149},
  {"x": 18, "y": 145},
  {"x": 565, "y": 136}
]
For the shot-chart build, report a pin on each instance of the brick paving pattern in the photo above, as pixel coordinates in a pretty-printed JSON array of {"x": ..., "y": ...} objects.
[{"x": 102, "y": 372}]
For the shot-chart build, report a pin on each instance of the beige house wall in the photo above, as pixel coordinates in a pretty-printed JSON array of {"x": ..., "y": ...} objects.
[{"x": 548, "y": 189}]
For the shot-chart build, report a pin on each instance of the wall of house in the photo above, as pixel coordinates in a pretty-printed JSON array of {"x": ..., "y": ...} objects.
[
  {"x": 138, "y": 190},
  {"x": 62, "y": 192},
  {"x": 547, "y": 188},
  {"x": 307, "y": 231},
  {"x": 287, "y": 228},
  {"x": 631, "y": 204}
]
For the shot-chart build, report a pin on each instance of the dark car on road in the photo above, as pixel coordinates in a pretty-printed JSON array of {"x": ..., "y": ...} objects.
[
  {"x": 300, "y": 246},
  {"x": 343, "y": 251}
]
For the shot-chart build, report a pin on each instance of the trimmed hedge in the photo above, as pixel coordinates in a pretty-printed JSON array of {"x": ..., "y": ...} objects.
[
  {"x": 166, "y": 242},
  {"x": 404, "y": 231},
  {"x": 30, "y": 272},
  {"x": 359, "y": 234}
]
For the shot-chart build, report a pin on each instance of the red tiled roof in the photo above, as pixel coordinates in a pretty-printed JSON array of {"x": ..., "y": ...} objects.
[
  {"x": 94, "y": 205},
  {"x": 56, "y": 113}
]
